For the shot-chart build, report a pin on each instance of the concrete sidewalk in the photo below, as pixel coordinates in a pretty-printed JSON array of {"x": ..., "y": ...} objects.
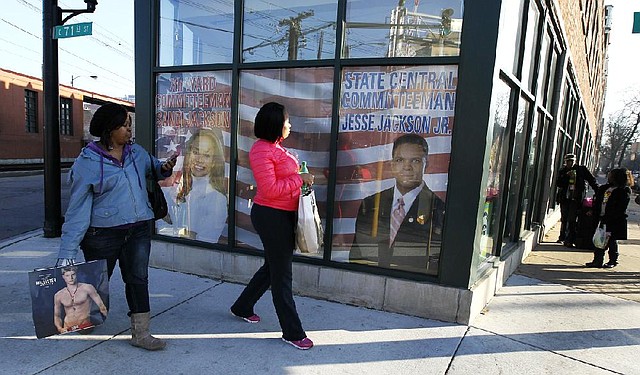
[{"x": 531, "y": 326}]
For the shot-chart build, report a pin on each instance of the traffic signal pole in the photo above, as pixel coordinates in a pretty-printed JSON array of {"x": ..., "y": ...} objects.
[{"x": 51, "y": 17}]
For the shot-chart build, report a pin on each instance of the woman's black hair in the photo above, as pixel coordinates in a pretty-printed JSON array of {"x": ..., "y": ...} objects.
[
  {"x": 619, "y": 176},
  {"x": 107, "y": 118},
  {"x": 270, "y": 121}
]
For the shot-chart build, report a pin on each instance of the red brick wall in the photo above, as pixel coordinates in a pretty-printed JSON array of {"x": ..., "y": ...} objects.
[
  {"x": 583, "y": 23},
  {"x": 16, "y": 142}
]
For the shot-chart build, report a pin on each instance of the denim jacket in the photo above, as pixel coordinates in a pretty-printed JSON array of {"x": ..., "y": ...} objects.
[{"x": 106, "y": 193}]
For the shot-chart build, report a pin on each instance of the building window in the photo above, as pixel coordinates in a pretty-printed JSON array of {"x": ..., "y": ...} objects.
[
  {"x": 193, "y": 118},
  {"x": 411, "y": 29},
  {"x": 193, "y": 32},
  {"x": 307, "y": 94},
  {"x": 304, "y": 30},
  {"x": 393, "y": 161},
  {"x": 66, "y": 117},
  {"x": 31, "y": 111}
]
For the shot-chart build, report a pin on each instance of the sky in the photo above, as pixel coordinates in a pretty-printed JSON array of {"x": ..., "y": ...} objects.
[
  {"x": 109, "y": 52},
  {"x": 624, "y": 55}
]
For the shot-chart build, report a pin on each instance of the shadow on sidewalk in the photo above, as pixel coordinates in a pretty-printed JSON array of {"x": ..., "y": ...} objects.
[{"x": 555, "y": 263}]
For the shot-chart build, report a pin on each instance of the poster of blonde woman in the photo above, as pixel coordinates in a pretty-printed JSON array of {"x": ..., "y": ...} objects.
[
  {"x": 197, "y": 197},
  {"x": 193, "y": 120}
]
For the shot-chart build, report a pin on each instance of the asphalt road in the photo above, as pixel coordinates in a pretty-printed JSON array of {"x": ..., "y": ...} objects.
[{"x": 22, "y": 197}]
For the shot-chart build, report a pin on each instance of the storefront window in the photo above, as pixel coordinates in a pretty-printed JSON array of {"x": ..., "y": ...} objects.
[
  {"x": 394, "y": 142},
  {"x": 195, "y": 32},
  {"x": 530, "y": 45},
  {"x": 529, "y": 183},
  {"x": 193, "y": 119},
  {"x": 548, "y": 98},
  {"x": 382, "y": 28},
  {"x": 512, "y": 218},
  {"x": 293, "y": 30},
  {"x": 497, "y": 170},
  {"x": 307, "y": 96},
  {"x": 509, "y": 35},
  {"x": 543, "y": 76}
]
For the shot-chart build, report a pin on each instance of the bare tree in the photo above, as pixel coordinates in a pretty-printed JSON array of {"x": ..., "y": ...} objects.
[{"x": 620, "y": 131}]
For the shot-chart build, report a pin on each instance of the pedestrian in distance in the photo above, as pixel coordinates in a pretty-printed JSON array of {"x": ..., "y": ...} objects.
[
  {"x": 610, "y": 207},
  {"x": 273, "y": 216},
  {"x": 571, "y": 191},
  {"x": 109, "y": 213}
]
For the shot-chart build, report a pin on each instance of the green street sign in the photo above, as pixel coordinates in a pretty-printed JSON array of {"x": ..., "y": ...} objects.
[
  {"x": 70, "y": 31},
  {"x": 636, "y": 23}
]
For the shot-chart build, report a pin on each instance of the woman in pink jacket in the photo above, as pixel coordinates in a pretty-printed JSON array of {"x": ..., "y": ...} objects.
[{"x": 273, "y": 215}]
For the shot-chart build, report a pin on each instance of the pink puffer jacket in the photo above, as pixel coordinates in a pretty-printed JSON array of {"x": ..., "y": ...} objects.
[{"x": 276, "y": 173}]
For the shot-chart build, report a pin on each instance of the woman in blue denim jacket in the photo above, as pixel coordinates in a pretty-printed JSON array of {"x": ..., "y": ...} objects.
[{"x": 109, "y": 211}]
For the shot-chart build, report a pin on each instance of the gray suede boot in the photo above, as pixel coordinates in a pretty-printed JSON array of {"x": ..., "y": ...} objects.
[{"x": 140, "y": 335}]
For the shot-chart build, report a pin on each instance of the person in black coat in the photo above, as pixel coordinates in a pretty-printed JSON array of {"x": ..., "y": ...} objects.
[
  {"x": 414, "y": 243},
  {"x": 610, "y": 208},
  {"x": 571, "y": 189}
]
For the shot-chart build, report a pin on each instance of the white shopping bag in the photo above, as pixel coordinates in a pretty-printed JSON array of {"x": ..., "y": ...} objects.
[
  {"x": 601, "y": 237},
  {"x": 309, "y": 232}
]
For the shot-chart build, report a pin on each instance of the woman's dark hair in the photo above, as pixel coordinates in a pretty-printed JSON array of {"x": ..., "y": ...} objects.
[
  {"x": 269, "y": 122},
  {"x": 107, "y": 118},
  {"x": 619, "y": 176}
]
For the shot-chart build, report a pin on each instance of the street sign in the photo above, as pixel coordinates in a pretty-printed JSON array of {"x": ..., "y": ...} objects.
[
  {"x": 70, "y": 31},
  {"x": 636, "y": 23}
]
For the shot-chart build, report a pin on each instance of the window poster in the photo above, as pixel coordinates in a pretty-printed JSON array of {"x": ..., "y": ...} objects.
[
  {"x": 193, "y": 119},
  {"x": 307, "y": 95},
  {"x": 394, "y": 146}
]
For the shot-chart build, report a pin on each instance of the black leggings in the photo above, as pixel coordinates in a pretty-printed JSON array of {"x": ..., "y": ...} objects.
[{"x": 276, "y": 230}]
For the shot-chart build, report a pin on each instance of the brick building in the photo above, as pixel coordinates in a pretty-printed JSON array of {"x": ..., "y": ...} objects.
[{"x": 22, "y": 118}]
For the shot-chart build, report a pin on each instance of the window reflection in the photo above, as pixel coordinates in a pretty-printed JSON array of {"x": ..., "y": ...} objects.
[
  {"x": 497, "y": 170},
  {"x": 299, "y": 30},
  {"x": 378, "y": 28},
  {"x": 512, "y": 218},
  {"x": 195, "y": 32}
]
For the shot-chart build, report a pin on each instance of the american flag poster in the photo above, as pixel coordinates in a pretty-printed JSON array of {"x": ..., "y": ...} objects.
[{"x": 377, "y": 106}]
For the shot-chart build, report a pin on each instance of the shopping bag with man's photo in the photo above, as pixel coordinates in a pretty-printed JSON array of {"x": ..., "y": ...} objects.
[{"x": 69, "y": 298}]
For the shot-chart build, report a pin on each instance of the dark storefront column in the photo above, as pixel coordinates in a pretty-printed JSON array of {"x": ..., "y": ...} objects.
[
  {"x": 465, "y": 197},
  {"x": 144, "y": 57}
]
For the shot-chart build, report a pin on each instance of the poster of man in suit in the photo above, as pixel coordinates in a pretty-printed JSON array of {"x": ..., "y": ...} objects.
[
  {"x": 402, "y": 226},
  {"x": 396, "y": 124}
]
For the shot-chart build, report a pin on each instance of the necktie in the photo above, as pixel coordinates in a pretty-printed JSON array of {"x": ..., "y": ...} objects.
[{"x": 396, "y": 220}]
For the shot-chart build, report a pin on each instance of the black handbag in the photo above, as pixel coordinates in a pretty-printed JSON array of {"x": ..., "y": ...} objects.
[{"x": 156, "y": 196}]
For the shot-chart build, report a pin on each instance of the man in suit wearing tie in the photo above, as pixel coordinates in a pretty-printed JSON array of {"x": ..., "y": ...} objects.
[{"x": 401, "y": 227}]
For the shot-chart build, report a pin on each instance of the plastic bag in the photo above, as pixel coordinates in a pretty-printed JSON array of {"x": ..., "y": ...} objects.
[
  {"x": 601, "y": 237},
  {"x": 309, "y": 231}
]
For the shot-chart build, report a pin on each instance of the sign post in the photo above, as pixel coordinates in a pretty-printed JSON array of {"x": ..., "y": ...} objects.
[{"x": 52, "y": 29}]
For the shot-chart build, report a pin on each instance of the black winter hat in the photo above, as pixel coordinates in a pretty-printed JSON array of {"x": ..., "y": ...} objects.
[{"x": 107, "y": 118}]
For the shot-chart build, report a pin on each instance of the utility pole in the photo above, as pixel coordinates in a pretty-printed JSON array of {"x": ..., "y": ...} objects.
[
  {"x": 294, "y": 32},
  {"x": 52, "y": 17}
]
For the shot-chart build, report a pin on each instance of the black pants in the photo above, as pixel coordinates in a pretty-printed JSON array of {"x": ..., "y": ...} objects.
[
  {"x": 276, "y": 229},
  {"x": 598, "y": 254},
  {"x": 131, "y": 248},
  {"x": 569, "y": 216}
]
